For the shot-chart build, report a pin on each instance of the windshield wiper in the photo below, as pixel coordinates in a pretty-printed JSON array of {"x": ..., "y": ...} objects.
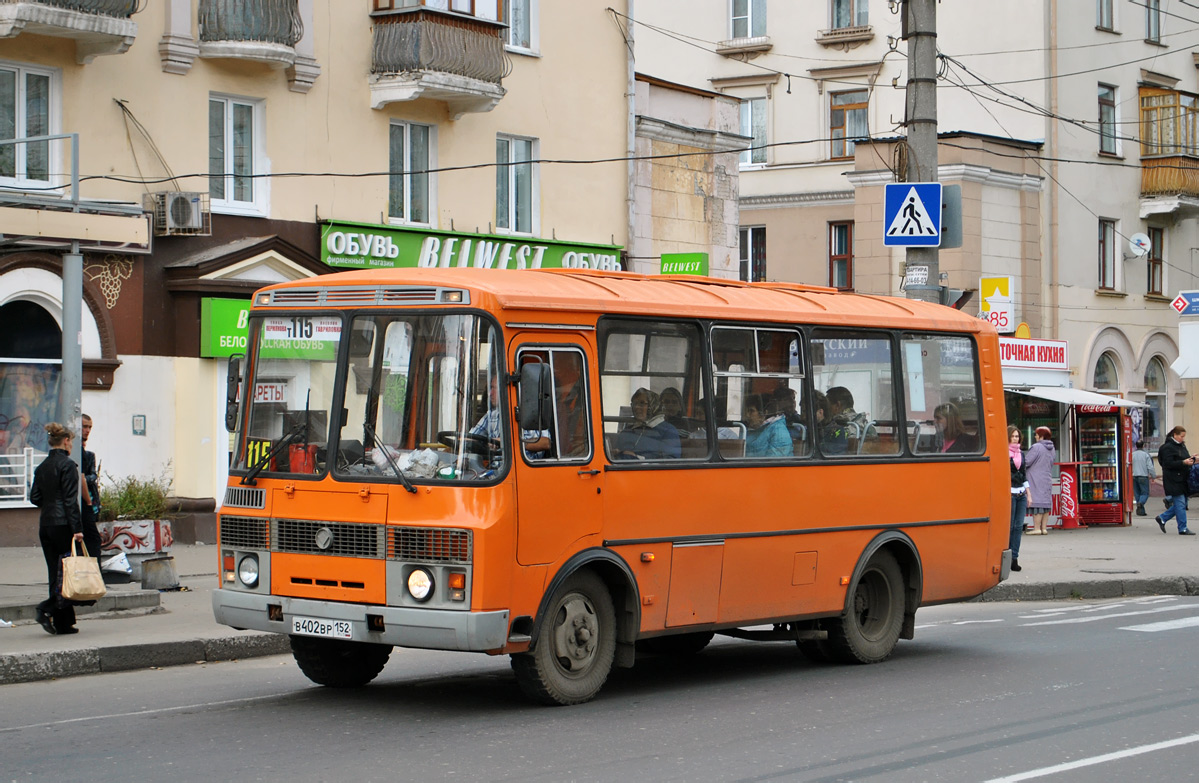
[
  {"x": 257, "y": 467},
  {"x": 390, "y": 461}
]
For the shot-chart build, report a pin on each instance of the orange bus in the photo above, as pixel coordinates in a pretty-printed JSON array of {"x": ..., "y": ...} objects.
[{"x": 571, "y": 467}]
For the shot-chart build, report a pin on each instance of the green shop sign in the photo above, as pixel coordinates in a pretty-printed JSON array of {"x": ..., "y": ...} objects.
[
  {"x": 370, "y": 246},
  {"x": 685, "y": 264},
  {"x": 223, "y": 327}
]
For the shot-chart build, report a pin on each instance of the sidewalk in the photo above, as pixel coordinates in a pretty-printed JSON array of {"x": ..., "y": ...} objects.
[{"x": 135, "y": 628}]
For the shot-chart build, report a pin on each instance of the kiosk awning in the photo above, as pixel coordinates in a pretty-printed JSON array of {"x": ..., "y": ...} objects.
[{"x": 1077, "y": 397}]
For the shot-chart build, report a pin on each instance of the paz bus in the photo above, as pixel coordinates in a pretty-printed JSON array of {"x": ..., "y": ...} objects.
[{"x": 574, "y": 467}]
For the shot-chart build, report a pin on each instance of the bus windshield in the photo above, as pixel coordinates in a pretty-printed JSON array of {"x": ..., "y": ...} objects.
[{"x": 421, "y": 399}]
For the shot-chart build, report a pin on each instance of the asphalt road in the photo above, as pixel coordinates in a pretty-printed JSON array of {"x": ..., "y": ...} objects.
[{"x": 987, "y": 691}]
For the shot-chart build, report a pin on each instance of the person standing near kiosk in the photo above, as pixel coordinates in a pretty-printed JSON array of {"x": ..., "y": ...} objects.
[{"x": 1175, "y": 462}]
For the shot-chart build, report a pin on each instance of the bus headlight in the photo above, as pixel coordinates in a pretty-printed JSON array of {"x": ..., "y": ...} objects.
[
  {"x": 420, "y": 584},
  {"x": 247, "y": 570}
]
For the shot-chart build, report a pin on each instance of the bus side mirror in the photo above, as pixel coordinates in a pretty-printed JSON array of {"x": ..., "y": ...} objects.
[
  {"x": 535, "y": 397},
  {"x": 231, "y": 387}
]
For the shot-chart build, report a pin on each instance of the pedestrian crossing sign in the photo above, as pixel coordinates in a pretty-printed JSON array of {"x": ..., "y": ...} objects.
[{"x": 912, "y": 214}]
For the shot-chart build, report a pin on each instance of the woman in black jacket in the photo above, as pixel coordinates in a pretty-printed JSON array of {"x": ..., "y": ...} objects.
[{"x": 56, "y": 492}]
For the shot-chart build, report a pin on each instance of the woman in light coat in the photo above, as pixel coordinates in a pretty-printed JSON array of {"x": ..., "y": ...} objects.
[{"x": 1038, "y": 470}]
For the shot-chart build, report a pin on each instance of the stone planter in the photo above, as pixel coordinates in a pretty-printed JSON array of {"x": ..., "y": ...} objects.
[{"x": 139, "y": 539}]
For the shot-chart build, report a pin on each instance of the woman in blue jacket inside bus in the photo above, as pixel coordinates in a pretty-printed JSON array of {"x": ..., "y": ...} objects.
[{"x": 765, "y": 437}]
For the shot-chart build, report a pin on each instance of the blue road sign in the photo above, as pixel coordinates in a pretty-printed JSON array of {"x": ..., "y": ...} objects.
[
  {"x": 1186, "y": 303},
  {"x": 912, "y": 214}
]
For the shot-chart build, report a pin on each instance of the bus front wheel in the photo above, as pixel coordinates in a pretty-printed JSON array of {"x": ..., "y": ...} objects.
[
  {"x": 574, "y": 647},
  {"x": 870, "y": 628},
  {"x": 339, "y": 664}
]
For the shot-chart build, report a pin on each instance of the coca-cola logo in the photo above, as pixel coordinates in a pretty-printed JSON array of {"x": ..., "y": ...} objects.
[
  {"x": 1069, "y": 499},
  {"x": 1096, "y": 408}
]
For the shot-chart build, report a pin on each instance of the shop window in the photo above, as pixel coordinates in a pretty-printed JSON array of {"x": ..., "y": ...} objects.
[
  {"x": 30, "y": 367},
  {"x": 1152, "y": 418},
  {"x": 408, "y": 183},
  {"x": 515, "y": 185},
  {"x": 1106, "y": 377}
]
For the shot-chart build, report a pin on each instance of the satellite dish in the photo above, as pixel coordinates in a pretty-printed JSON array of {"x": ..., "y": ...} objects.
[{"x": 1140, "y": 245}]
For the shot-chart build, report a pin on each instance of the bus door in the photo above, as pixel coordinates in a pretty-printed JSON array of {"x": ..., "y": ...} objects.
[{"x": 559, "y": 475}]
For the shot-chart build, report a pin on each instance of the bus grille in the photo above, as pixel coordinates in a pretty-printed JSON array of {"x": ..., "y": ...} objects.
[
  {"x": 430, "y": 545},
  {"x": 361, "y": 296},
  {"x": 245, "y": 497},
  {"x": 345, "y": 539},
  {"x": 244, "y": 533}
]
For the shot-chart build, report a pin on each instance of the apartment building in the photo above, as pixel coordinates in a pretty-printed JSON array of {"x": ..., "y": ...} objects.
[
  {"x": 1068, "y": 124},
  {"x": 271, "y": 140}
]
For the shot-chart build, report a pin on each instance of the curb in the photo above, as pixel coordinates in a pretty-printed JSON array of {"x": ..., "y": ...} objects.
[
  {"x": 113, "y": 601},
  {"x": 30, "y": 667},
  {"x": 1111, "y": 588}
]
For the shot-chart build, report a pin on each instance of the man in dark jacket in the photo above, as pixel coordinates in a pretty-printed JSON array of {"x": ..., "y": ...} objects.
[{"x": 1175, "y": 462}]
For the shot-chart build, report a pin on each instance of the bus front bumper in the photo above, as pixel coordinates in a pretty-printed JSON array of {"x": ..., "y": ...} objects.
[{"x": 433, "y": 629}]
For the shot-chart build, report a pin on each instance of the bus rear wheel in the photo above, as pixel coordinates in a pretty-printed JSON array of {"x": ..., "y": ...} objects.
[
  {"x": 870, "y": 629},
  {"x": 575, "y": 645},
  {"x": 339, "y": 664}
]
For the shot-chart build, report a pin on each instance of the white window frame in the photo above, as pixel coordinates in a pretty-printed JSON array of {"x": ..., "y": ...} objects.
[
  {"x": 54, "y": 157},
  {"x": 749, "y": 20},
  {"x": 431, "y": 200},
  {"x": 535, "y": 188},
  {"x": 1115, "y": 128},
  {"x": 746, "y": 158},
  {"x": 1153, "y": 21},
  {"x": 1108, "y": 255},
  {"x": 258, "y": 206},
  {"x": 534, "y": 46},
  {"x": 859, "y": 14}
]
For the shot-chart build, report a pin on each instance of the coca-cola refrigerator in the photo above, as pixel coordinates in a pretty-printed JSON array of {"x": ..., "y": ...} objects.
[{"x": 1104, "y": 480}]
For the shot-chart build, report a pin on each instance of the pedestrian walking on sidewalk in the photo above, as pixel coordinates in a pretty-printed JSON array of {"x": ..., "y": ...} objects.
[
  {"x": 1142, "y": 473},
  {"x": 1019, "y": 495},
  {"x": 1176, "y": 463},
  {"x": 1038, "y": 469},
  {"x": 90, "y": 489},
  {"x": 56, "y": 492}
]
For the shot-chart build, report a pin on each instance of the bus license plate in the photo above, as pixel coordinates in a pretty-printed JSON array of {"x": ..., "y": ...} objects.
[{"x": 330, "y": 629}]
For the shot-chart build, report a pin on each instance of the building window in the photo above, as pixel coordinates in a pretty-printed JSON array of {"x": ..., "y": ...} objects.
[
  {"x": 515, "y": 185},
  {"x": 408, "y": 164},
  {"x": 753, "y": 253},
  {"x": 30, "y": 368},
  {"x": 1104, "y": 19},
  {"x": 1106, "y": 377},
  {"x": 753, "y": 124},
  {"x": 1169, "y": 122},
  {"x": 234, "y": 157},
  {"x": 1153, "y": 21},
  {"x": 749, "y": 18},
  {"x": 1107, "y": 254},
  {"x": 850, "y": 13},
  {"x": 840, "y": 255},
  {"x": 1107, "y": 119},
  {"x": 28, "y": 106},
  {"x": 847, "y": 120},
  {"x": 1157, "y": 252},
  {"x": 518, "y": 14},
  {"x": 1155, "y": 397}
]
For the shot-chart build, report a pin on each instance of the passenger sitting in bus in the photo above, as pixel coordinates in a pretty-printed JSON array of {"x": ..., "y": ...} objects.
[
  {"x": 766, "y": 437},
  {"x": 952, "y": 432},
  {"x": 784, "y": 402},
  {"x": 672, "y": 409},
  {"x": 649, "y": 435},
  {"x": 845, "y": 423}
]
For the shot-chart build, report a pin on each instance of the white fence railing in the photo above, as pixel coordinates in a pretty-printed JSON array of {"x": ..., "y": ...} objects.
[{"x": 16, "y": 476}]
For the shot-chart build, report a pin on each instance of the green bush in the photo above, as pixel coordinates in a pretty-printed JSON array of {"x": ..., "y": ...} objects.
[{"x": 135, "y": 498}]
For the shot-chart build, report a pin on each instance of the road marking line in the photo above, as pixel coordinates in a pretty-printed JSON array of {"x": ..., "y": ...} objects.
[
  {"x": 1106, "y": 757},
  {"x": 976, "y": 622},
  {"x": 136, "y": 713},
  {"x": 1097, "y": 618},
  {"x": 1167, "y": 625}
]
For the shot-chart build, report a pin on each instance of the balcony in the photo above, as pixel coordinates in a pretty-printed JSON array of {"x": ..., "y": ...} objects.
[
  {"x": 99, "y": 27},
  {"x": 264, "y": 31},
  {"x": 1170, "y": 185},
  {"x": 846, "y": 37},
  {"x": 457, "y": 59}
]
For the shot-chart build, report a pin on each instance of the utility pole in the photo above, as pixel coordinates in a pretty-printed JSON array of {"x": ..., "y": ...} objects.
[{"x": 920, "y": 31}]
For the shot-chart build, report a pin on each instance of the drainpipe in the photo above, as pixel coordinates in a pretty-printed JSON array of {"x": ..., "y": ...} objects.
[{"x": 631, "y": 138}]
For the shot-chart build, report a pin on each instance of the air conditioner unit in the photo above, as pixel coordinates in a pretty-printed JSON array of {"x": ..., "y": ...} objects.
[{"x": 177, "y": 212}]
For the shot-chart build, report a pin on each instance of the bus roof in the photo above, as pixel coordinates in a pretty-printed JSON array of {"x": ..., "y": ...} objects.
[{"x": 592, "y": 291}]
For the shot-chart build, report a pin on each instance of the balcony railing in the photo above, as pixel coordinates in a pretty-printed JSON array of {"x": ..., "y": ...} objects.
[
  {"x": 262, "y": 21},
  {"x": 120, "y": 9},
  {"x": 1170, "y": 175},
  {"x": 423, "y": 40}
]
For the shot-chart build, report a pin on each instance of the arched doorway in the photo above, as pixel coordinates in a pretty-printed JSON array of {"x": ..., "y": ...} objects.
[{"x": 30, "y": 368}]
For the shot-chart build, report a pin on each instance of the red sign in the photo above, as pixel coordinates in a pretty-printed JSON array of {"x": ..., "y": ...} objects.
[
  {"x": 1180, "y": 303},
  {"x": 270, "y": 392},
  {"x": 1068, "y": 499},
  {"x": 1034, "y": 354},
  {"x": 1098, "y": 408}
]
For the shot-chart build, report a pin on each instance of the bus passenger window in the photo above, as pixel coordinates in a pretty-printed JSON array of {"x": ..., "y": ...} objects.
[
  {"x": 568, "y": 437},
  {"x": 941, "y": 388},
  {"x": 852, "y": 373},
  {"x": 758, "y": 375}
]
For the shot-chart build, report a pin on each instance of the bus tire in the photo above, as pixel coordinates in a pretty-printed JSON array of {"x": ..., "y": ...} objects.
[
  {"x": 869, "y": 630},
  {"x": 337, "y": 663},
  {"x": 575, "y": 645},
  {"x": 678, "y": 644}
]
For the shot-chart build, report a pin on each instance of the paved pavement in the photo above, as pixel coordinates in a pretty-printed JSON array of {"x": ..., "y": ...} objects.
[{"x": 134, "y": 628}]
